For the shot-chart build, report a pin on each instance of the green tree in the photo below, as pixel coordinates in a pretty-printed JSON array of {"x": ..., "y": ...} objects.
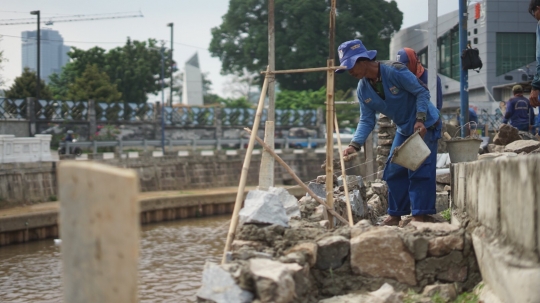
[
  {"x": 236, "y": 103},
  {"x": 95, "y": 85},
  {"x": 301, "y": 27},
  {"x": 135, "y": 68},
  {"x": 25, "y": 86}
]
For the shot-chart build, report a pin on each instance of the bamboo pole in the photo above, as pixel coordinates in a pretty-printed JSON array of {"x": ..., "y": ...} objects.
[
  {"x": 304, "y": 70},
  {"x": 245, "y": 168},
  {"x": 330, "y": 139},
  {"x": 343, "y": 174},
  {"x": 295, "y": 177}
]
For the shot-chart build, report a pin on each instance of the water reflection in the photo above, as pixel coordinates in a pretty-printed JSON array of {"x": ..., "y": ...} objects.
[{"x": 172, "y": 258}]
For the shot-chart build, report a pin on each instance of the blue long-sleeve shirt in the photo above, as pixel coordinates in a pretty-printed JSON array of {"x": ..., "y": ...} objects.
[
  {"x": 536, "y": 81},
  {"x": 404, "y": 95},
  {"x": 424, "y": 79},
  {"x": 519, "y": 112}
]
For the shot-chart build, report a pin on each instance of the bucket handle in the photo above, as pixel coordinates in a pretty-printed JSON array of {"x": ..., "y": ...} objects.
[{"x": 468, "y": 123}]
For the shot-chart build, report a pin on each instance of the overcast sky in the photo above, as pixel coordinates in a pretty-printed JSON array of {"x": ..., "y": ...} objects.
[{"x": 193, "y": 21}]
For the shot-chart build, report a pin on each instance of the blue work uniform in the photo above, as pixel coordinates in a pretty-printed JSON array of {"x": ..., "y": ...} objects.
[
  {"x": 520, "y": 113},
  {"x": 404, "y": 97}
]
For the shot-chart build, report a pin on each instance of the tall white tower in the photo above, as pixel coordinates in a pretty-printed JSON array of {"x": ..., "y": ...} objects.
[
  {"x": 53, "y": 52},
  {"x": 193, "y": 88}
]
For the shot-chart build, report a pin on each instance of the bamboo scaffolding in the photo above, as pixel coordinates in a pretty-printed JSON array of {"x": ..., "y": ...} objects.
[
  {"x": 295, "y": 177},
  {"x": 304, "y": 70},
  {"x": 329, "y": 139},
  {"x": 343, "y": 174},
  {"x": 245, "y": 168}
]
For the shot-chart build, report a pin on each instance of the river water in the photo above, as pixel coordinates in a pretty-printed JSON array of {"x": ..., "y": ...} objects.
[{"x": 171, "y": 261}]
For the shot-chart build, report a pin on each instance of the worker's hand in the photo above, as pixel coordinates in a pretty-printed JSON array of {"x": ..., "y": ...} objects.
[
  {"x": 419, "y": 126},
  {"x": 533, "y": 98},
  {"x": 349, "y": 150}
]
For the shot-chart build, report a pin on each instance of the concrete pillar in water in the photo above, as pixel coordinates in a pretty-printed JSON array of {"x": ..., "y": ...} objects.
[{"x": 100, "y": 231}]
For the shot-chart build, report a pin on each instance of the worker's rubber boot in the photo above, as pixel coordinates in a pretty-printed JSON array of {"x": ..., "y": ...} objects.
[{"x": 391, "y": 221}]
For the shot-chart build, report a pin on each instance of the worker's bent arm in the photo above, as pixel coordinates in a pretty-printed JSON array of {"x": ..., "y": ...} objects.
[{"x": 365, "y": 125}]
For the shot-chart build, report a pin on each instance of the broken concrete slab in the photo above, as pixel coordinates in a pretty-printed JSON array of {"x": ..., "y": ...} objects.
[
  {"x": 521, "y": 146},
  {"x": 380, "y": 252},
  {"x": 219, "y": 286},
  {"x": 332, "y": 252},
  {"x": 274, "y": 281},
  {"x": 289, "y": 201},
  {"x": 262, "y": 207}
]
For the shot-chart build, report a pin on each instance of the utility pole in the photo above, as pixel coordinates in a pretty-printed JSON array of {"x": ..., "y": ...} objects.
[
  {"x": 266, "y": 172},
  {"x": 162, "y": 99},
  {"x": 38, "y": 79},
  {"x": 171, "y": 25},
  {"x": 464, "y": 76},
  {"x": 432, "y": 50}
]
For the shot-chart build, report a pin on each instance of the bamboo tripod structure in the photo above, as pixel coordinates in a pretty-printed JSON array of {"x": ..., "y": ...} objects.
[{"x": 245, "y": 168}]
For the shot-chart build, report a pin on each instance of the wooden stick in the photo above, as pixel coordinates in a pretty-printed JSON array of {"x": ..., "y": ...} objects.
[
  {"x": 295, "y": 177},
  {"x": 245, "y": 168},
  {"x": 343, "y": 174},
  {"x": 329, "y": 139},
  {"x": 304, "y": 70}
]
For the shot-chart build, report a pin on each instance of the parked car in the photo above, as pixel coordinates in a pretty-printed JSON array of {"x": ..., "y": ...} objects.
[{"x": 301, "y": 133}]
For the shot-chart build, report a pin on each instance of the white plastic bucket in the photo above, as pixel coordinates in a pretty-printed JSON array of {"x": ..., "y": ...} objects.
[
  {"x": 464, "y": 150},
  {"x": 412, "y": 153}
]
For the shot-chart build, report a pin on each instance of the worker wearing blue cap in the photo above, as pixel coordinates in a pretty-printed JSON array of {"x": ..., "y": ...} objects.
[
  {"x": 390, "y": 88},
  {"x": 409, "y": 57}
]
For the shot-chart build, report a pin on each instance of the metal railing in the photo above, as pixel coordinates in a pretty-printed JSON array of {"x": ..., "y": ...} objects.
[{"x": 194, "y": 143}]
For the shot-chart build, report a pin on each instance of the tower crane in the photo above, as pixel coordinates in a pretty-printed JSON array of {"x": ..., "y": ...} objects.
[{"x": 72, "y": 18}]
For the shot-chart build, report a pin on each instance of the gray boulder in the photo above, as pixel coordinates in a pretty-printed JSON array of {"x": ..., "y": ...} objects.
[
  {"x": 262, "y": 207},
  {"x": 219, "y": 286},
  {"x": 289, "y": 201}
]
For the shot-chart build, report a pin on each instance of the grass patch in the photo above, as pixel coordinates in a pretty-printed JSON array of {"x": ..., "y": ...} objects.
[
  {"x": 447, "y": 214},
  {"x": 52, "y": 198}
]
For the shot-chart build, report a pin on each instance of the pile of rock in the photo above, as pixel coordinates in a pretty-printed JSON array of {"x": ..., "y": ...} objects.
[
  {"x": 377, "y": 195},
  {"x": 387, "y": 132},
  {"x": 308, "y": 263},
  {"x": 510, "y": 139}
]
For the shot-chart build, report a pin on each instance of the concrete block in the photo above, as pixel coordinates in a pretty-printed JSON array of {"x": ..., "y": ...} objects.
[
  {"x": 320, "y": 151},
  {"x": 219, "y": 286},
  {"x": 461, "y": 186},
  {"x": 518, "y": 200},
  {"x": 256, "y": 152},
  {"x": 278, "y": 151},
  {"x": 231, "y": 152},
  {"x": 207, "y": 153},
  {"x": 471, "y": 199},
  {"x": 511, "y": 279},
  {"x": 298, "y": 151},
  {"x": 183, "y": 153},
  {"x": 133, "y": 155},
  {"x": 100, "y": 228},
  {"x": 157, "y": 153},
  {"x": 82, "y": 157},
  {"x": 489, "y": 199},
  {"x": 107, "y": 156}
]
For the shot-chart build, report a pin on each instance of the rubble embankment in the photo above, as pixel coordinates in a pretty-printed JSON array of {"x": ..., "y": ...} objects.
[{"x": 287, "y": 252}]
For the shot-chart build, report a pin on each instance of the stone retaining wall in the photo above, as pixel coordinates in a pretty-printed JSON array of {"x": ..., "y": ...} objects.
[
  {"x": 499, "y": 202},
  {"x": 26, "y": 183}
]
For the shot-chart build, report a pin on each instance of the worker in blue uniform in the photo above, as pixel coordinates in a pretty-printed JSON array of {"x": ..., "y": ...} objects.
[
  {"x": 518, "y": 111},
  {"x": 390, "y": 88},
  {"x": 409, "y": 57}
]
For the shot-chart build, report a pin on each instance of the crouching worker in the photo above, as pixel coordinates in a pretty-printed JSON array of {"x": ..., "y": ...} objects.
[{"x": 390, "y": 88}]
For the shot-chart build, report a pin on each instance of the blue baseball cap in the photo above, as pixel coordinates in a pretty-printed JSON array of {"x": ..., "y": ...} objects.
[
  {"x": 350, "y": 51},
  {"x": 402, "y": 56}
]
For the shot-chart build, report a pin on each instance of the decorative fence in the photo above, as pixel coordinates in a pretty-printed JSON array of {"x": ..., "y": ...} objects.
[{"x": 79, "y": 111}]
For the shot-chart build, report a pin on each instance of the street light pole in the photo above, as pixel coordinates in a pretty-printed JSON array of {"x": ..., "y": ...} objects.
[
  {"x": 162, "y": 99},
  {"x": 38, "y": 80},
  {"x": 171, "y": 25}
]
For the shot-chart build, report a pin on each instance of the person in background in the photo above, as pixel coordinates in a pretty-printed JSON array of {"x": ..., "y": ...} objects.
[
  {"x": 69, "y": 136},
  {"x": 534, "y": 10},
  {"x": 408, "y": 57},
  {"x": 390, "y": 88},
  {"x": 518, "y": 111}
]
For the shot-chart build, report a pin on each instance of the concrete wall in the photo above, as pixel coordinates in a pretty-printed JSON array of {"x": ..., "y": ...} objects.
[
  {"x": 17, "y": 128},
  {"x": 501, "y": 201},
  {"x": 22, "y": 183}
]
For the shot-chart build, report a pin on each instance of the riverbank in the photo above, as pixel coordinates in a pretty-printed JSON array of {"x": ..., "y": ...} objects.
[{"x": 40, "y": 221}]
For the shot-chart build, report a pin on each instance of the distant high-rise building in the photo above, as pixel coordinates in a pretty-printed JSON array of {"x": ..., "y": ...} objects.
[
  {"x": 53, "y": 52},
  {"x": 193, "y": 87}
]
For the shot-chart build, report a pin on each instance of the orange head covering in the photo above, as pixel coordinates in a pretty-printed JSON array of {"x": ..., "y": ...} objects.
[{"x": 412, "y": 63}]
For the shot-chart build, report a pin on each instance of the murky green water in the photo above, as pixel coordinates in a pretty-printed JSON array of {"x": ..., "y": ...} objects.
[{"x": 172, "y": 257}]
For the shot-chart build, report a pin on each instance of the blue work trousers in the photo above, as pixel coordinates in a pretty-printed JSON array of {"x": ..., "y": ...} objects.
[{"x": 416, "y": 189}]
